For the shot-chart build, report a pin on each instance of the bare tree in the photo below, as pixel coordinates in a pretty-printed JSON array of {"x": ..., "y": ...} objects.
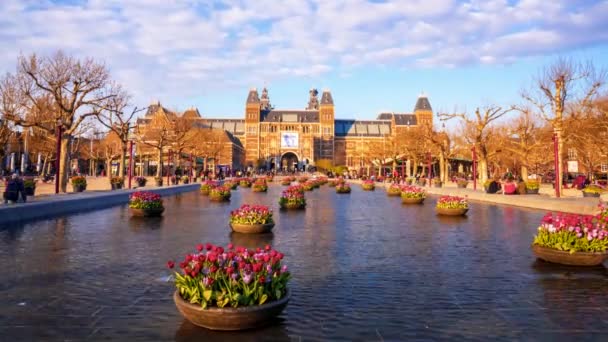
[
  {"x": 476, "y": 130},
  {"x": 157, "y": 134},
  {"x": 558, "y": 85},
  {"x": 77, "y": 89},
  {"x": 114, "y": 118}
]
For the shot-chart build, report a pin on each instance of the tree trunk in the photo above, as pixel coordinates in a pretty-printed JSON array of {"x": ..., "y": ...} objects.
[
  {"x": 159, "y": 167},
  {"x": 121, "y": 164},
  {"x": 524, "y": 172},
  {"x": 43, "y": 168},
  {"x": 442, "y": 174},
  {"x": 64, "y": 167},
  {"x": 483, "y": 170}
]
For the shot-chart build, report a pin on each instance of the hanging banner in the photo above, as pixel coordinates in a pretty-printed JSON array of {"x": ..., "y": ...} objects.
[{"x": 572, "y": 166}]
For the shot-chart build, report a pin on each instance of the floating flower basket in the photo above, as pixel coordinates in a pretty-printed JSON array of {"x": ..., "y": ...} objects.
[
  {"x": 293, "y": 198},
  {"x": 452, "y": 206},
  {"x": 220, "y": 194},
  {"x": 368, "y": 185},
  {"x": 79, "y": 183},
  {"x": 343, "y": 188},
  {"x": 207, "y": 186},
  {"x": 245, "y": 183},
  {"x": 412, "y": 194},
  {"x": 145, "y": 204},
  {"x": 571, "y": 239},
  {"x": 259, "y": 186},
  {"x": 233, "y": 289},
  {"x": 393, "y": 190},
  {"x": 251, "y": 219}
]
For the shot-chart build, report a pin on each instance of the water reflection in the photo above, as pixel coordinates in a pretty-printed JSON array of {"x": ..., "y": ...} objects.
[
  {"x": 362, "y": 263},
  {"x": 275, "y": 331},
  {"x": 251, "y": 240}
]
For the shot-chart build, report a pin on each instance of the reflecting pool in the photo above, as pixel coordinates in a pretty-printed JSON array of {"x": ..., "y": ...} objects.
[{"x": 365, "y": 267}]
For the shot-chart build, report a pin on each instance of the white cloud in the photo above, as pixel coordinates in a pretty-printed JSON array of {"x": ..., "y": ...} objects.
[{"x": 175, "y": 49}]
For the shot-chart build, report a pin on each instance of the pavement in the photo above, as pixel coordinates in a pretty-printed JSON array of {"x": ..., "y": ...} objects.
[{"x": 571, "y": 201}]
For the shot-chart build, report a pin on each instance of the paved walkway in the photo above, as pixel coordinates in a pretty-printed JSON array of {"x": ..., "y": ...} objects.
[{"x": 571, "y": 202}]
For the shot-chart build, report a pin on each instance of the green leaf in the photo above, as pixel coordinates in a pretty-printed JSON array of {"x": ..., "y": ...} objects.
[
  {"x": 263, "y": 299},
  {"x": 207, "y": 294}
]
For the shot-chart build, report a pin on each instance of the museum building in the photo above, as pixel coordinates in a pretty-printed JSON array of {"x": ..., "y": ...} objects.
[{"x": 288, "y": 138}]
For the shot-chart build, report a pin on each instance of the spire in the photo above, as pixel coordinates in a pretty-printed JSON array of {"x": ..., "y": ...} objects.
[
  {"x": 313, "y": 102},
  {"x": 326, "y": 98},
  {"x": 253, "y": 97},
  {"x": 265, "y": 101},
  {"x": 422, "y": 104}
]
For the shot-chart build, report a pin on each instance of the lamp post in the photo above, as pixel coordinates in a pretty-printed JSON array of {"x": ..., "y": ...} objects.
[
  {"x": 131, "y": 137},
  {"x": 58, "y": 153},
  {"x": 556, "y": 163},
  {"x": 474, "y": 151}
]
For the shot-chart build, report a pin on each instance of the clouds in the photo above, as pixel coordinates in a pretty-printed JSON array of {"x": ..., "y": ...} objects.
[{"x": 173, "y": 50}]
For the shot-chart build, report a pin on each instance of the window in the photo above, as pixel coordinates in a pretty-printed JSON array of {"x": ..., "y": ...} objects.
[
  {"x": 604, "y": 167},
  {"x": 251, "y": 129},
  {"x": 315, "y": 129},
  {"x": 572, "y": 154},
  {"x": 326, "y": 130},
  {"x": 306, "y": 129},
  {"x": 273, "y": 129}
]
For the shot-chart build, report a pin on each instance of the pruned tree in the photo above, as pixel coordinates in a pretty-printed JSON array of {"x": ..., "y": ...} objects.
[
  {"x": 476, "y": 131},
  {"x": 158, "y": 135},
  {"x": 559, "y": 85},
  {"x": 77, "y": 89},
  {"x": 115, "y": 119}
]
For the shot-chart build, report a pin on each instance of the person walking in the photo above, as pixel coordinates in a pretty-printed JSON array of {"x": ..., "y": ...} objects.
[{"x": 13, "y": 188}]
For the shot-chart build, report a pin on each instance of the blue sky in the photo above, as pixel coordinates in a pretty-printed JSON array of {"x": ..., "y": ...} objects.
[{"x": 374, "y": 55}]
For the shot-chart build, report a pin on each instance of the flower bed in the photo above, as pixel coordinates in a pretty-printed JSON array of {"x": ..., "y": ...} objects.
[
  {"x": 117, "y": 183},
  {"x": 593, "y": 191},
  {"x": 141, "y": 181},
  {"x": 79, "y": 183},
  {"x": 260, "y": 185},
  {"x": 207, "y": 186},
  {"x": 145, "y": 203},
  {"x": 220, "y": 193},
  {"x": 368, "y": 185},
  {"x": 462, "y": 183},
  {"x": 287, "y": 180},
  {"x": 214, "y": 278},
  {"x": 293, "y": 198},
  {"x": 342, "y": 188},
  {"x": 332, "y": 183},
  {"x": 393, "y": 190}
]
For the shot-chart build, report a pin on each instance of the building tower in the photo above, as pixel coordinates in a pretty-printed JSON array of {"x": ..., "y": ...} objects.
[
  {"x": 252, "y": 125},
  {"x": 423, "y": 111},
  {"x": 327, "y": 123}
]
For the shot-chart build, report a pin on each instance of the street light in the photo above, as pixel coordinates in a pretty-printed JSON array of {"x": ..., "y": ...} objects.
[
  {"x": 58, "y": 153},
  {"x": 130, "y": 137},
  {"x": 558, "y": 175}
]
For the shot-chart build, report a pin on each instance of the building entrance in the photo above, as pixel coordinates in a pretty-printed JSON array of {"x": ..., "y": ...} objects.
[{"x": 289, "y": 161}]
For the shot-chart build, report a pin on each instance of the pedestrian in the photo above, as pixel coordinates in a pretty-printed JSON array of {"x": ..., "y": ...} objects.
[{"x": 13, "y": 188}]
